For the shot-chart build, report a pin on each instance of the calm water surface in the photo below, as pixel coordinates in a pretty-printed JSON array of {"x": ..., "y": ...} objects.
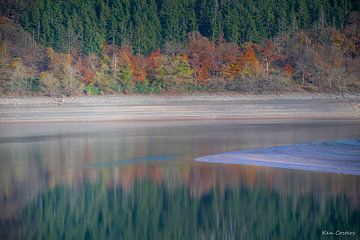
[{"x": 138, "y": 181}]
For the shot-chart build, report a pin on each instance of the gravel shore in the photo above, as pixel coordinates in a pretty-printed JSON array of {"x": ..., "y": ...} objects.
[{"x": 179, "y": 107}]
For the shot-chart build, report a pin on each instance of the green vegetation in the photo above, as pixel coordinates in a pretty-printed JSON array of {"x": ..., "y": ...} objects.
[
  {"x": 150, "y": 211},
  {"x": 149, "y": 24},
  {"x": 153, "y": 46}
]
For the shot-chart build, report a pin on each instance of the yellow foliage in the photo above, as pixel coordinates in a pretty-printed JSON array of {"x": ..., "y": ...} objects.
[
  {"x": 4, "y": 49},
  {"x": 338, "y": 39}
]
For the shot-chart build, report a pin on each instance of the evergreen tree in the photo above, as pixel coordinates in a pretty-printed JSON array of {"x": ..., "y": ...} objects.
[
  {"x": 281, "y": 16},
  {"x": 188, "y": 20},
  {"x": 267, "y": 21},
  {"x": 303, "y": 13},
  {"x": 147, "y": 24},
  {"x": 120, "y": 22},
  {"x": 231, "y": 21},
  {"x": 170, "y": 18},
  {"x": 208, "y": 16}
]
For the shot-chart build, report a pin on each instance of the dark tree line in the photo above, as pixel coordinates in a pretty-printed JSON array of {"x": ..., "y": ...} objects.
[
  {"x": 149, "y": 211},
  {"x": 149, "y": 24}
]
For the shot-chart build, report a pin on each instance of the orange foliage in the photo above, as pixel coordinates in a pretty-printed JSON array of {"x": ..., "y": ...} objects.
[
  {"x": 288, "y": 70},
  {"x": 154, "y": 59},
  {"x": 250, "y": 58},
  {"x": 185, "y": 57},
  {"x": 224, "y": 60},
  {"x": 236, "y": 66},
  {"x": 237, "y": 62},
  {"x": 337, "y": 38},
  {"x": 228, "y": 61},
  {"x": 4, "y": 49},
  {"x": 125, "y": 55},
  {"x": 138, "y": 64}
]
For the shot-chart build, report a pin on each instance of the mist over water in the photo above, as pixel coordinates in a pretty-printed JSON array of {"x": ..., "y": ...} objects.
[{"x": 139, "y": 181}]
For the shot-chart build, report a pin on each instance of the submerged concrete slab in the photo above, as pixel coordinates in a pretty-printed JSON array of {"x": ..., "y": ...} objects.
[{"x": 341, "y": 156}]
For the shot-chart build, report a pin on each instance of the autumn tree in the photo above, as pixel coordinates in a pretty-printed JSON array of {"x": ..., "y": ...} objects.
[
  {"x": 15, "y": 42},
  {"x": 153, "y": 63},
  {"x": 124, "y": 69},
  {"x": 251, "y": 63},
  {"x": 288, "y": 69},
  {"x": 138, "y": 68},
  {"x": 4, "y": 51},
  {"x": 331, "y": 62},
  {"x": 102, "y": 77},
  {"x": 268, "y": 55},
  {"x": 228, "y": 64},
  {"x": 173, "y": 73},
  {"x": 19, "y": 76},
  {"x": 70, "y": 80},
  {"x": 352, "y": 32},
  {"x": 201, "y": 55},
  {"x": 61, "y": 77},
  {"x": 86, "y": 73}
]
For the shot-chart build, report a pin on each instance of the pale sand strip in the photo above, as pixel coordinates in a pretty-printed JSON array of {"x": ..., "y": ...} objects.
[
  {"x": 342, "y": 156},
  {"x": 180, "y": 107}
]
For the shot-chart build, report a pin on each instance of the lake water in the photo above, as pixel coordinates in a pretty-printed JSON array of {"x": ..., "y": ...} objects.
[{"x": 139, "y": 181}]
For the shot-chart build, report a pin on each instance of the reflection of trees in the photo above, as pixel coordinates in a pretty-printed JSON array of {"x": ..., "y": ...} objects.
[
  {"x": 32, "y": 167},
  {"x": 153, "y": 211},
  {"x": 198, "y": 178}
]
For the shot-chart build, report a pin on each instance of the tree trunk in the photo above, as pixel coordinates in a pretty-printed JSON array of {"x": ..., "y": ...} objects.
[{"x": 267, "y": 70}]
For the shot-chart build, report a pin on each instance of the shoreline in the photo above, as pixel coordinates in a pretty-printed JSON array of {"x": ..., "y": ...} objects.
[{"x": 293, "y": 106}]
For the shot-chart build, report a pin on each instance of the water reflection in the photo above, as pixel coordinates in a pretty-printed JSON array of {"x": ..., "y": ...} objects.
[{"x": 139, "y": 182}]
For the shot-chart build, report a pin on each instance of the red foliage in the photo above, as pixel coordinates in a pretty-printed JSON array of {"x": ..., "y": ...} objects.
[
  {"x": 201, "y": 54},
  {"x": 153, "y": 63},
  {"x": 267, "y": 50},
  {"x": 138, "y": 67},
  {"x": 86, "y": 73},
  {"x": 269, "y": 55}
]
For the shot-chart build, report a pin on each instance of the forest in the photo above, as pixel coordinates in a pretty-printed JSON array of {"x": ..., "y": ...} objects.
[
  {"x": 153, "y": 211},
  {"x": 154, "y": 46}
]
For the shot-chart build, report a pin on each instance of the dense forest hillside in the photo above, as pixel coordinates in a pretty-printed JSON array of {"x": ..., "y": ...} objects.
[
  {"x": 149, "y": 24},
  {"x": 123, "y": 46}
]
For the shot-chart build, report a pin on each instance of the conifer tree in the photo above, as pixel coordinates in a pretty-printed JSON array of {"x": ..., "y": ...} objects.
[{"x": 149, "y": 24}]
